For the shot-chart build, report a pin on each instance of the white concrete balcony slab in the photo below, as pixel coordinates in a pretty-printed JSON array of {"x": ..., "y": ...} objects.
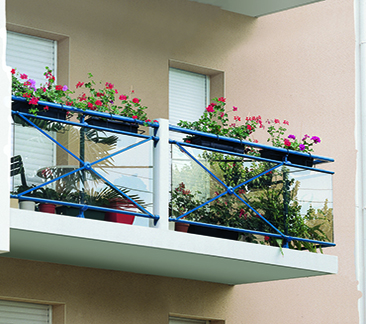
[
  {"x": 156, "y": 251},
  {"x": 256, "y": 8}
]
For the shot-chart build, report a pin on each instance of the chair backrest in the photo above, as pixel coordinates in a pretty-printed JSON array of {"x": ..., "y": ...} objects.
[{"x": 16, "y": 167}]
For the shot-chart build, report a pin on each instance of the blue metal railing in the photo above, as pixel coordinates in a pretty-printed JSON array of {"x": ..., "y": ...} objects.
[
  {"x": 230, "y": 191},
  {"x": 89, "y": 166},
  {"x": 85, "y": 165}
]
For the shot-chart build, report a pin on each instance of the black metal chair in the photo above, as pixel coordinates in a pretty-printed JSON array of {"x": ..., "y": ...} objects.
[{"x": 16, "y": 167}]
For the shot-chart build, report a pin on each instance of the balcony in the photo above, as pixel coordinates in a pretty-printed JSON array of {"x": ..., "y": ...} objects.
[
  {"x": 256, "y": 8},
  {"x": 113, "y": 210}
]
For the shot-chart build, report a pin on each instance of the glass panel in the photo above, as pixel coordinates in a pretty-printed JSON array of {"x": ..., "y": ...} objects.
[
  {"x": 293, "y": 201},
  {"x": 130, "y": 171}
]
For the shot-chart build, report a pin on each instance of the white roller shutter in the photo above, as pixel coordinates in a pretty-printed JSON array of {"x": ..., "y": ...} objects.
[
  {"x": 178, "y": 320},
  {"x": 24, "y": 313},
  {"x": 30, "y": 55},
  {"x": 188, "y": 95}
]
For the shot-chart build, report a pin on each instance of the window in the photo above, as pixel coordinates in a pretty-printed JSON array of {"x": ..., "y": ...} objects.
[
  {"x": 30, "y": 55},
  {"x": 178, "y": 320},
  {"x": 189, "y": 95},
  {"x": 24, "y": 313}
]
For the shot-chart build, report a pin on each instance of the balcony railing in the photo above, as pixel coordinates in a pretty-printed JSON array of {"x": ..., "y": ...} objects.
[{"x": 100, "y": 172}]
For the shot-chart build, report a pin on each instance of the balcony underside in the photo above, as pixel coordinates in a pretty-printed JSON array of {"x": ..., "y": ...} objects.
[
  {"x": 256, "y": 8},
  {"x": 104, "y": 245}
]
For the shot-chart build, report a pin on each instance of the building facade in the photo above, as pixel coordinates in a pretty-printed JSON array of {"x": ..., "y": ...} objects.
[{"x": 300, "y": 64}]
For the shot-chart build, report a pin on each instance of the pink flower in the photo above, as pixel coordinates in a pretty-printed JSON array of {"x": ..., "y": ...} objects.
[
  {"x": 155, "y": 121},
  {"x": 237, "y": 118},
  {"x": 287, "y": 142},
  {"x": 222, "y": 115},
  {"x": 134, "y": 117},
  {"x": 286, "y": 122},
  {"x": 98, "y": 102},
  {"x": 45, "y": 108},
  {"x": 59, "y": 87},
  {"x": 33, "y": 101},
  {"x": 235, "y": 108},
  {"x": 135, "y": 100},
  {"x": 79, "y": 84},
  {"x": 148, "y": 120},
  {"x": 65, "y": 88},
  {"x": 24, "y": 76},
  {"x": 122, "y": 97},
  {"x": 266, "y": 238},
  {"x": 222, "y": 99},
  {"x": 210, "y": 108},
  {"x": 109, "y": 85},
  {"x": 249, "y": 127},
  {"x": 277, "y": 121},
  {"x": 115, "y": 91},
  {"x": 12, "y": 71},
  {"x": 90, "y": 105}
]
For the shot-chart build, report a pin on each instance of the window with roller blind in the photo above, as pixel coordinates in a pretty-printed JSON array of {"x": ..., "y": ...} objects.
[
  {"x": 178, "y": 320},
  {"x": 24, "y": 313},
  {"x": 30, "y": 55},
  {"x": 189, "y": 95}
]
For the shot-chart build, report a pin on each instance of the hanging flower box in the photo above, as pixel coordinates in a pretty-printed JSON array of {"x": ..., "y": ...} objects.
[
  {"x": 293, "y": 158},
  {"x": 113, "y": 124},
  {"x": 217, "y": 144},
  {"x": 51, "y": 112},
  {"x": 214, "y": 232}
]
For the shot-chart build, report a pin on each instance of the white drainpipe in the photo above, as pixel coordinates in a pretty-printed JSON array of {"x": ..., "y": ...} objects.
[{"x": 360, "y": 135}]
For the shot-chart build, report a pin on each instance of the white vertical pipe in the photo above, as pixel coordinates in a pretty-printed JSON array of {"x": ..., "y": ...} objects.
[
  {"x": 5, "y": 122},
  {"x": 360, "y": 136},
  {"x": 161, "y": 175}
]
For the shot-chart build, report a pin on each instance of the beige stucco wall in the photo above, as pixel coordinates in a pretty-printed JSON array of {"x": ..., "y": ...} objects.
[{"x": 296, "y": 65}]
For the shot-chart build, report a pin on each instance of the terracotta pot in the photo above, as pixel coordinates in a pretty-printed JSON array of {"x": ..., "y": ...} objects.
[
  {"x": 181, "y": 227},
  {"x": 121, "y": 204},
  {"x": 47, "y": 208}
]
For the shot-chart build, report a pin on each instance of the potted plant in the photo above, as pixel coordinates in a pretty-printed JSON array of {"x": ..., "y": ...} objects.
[
  {"x": 47, "y": 193},
  {"x": 215, "y": 120},
  {"x": 117, "y": 201},
  {"x": 183, "y": 200},
  {"x": 25, "y": 204}
]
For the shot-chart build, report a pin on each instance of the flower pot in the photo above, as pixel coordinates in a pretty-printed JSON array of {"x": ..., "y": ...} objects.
[
  {"x": 293, "y": 158},
  {"x": 121, "y": 204},
  {"x": 27, "y": 204},
  {"x": 214, "y": 232},
  {"x": 113, "y": 124},
  {"x": 74, "y": 211},
  {"x": 47, "y": 208},
  {"x": 52, "y": 112},
  {"x": 181, "y": 227},
  {"x": 217, "y": 144}
]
